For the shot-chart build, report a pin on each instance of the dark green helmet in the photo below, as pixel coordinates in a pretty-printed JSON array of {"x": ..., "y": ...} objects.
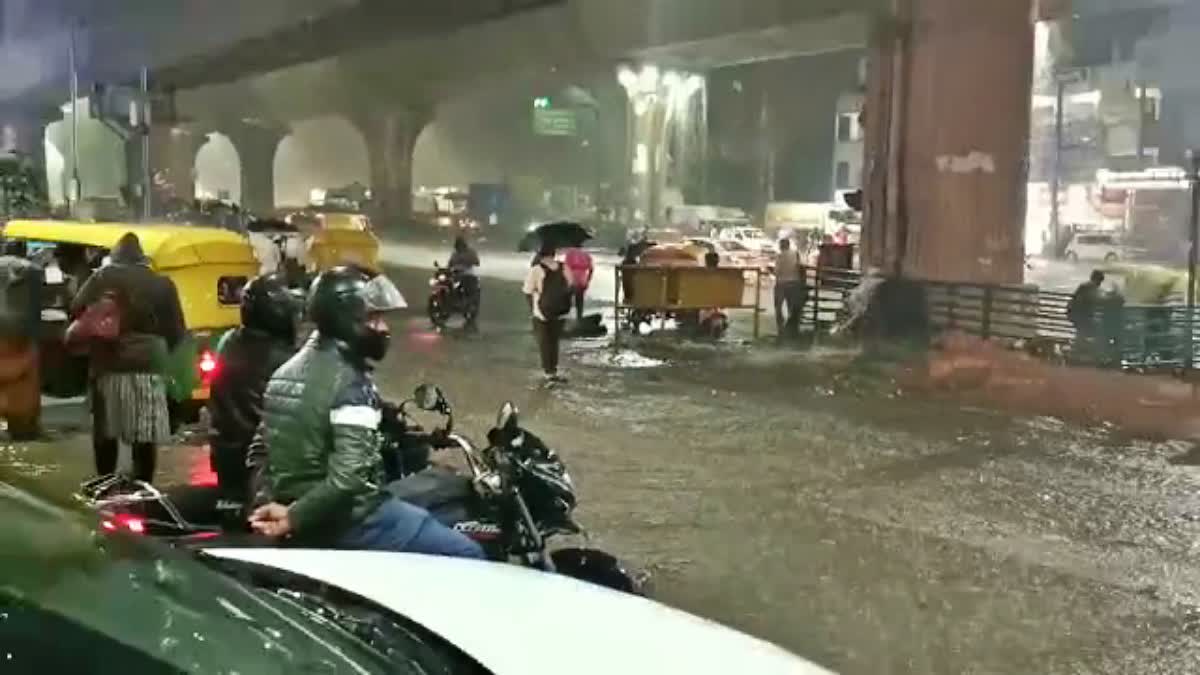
[{"x": 341, "y": 302}]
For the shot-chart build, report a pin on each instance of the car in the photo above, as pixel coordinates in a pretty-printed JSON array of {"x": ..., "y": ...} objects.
[
  {"x": 752, "y": 238},
  {"x": 1094, "y": 246},
  {"x": 733, "y": 253},
  {"x": 73, "y": 601}
]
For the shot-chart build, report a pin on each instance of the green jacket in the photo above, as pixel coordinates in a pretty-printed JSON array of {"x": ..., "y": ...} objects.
[{"x": 320, "y": 442}]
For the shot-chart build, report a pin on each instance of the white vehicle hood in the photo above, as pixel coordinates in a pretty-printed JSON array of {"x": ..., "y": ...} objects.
[{"x": 517, "y": 621}]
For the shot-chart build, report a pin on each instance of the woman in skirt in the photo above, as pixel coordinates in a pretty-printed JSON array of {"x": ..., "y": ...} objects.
[{"x": 129, "y": 391}]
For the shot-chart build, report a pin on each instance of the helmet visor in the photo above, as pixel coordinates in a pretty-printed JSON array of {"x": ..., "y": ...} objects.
[{"x": 382, "y": 295}]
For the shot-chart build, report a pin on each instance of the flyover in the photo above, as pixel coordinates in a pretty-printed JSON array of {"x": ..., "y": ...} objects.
[
  {"x": 947, "y": 106},
  {"x": 389, "y": 89}
]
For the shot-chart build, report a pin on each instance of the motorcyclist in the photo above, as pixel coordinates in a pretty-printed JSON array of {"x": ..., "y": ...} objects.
[
  {"x": 463, "y": 263},
  {"x": 248, "y": 356},
  {"x": 320, "y": 454}
]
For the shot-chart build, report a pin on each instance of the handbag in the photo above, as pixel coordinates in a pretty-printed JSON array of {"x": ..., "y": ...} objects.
[{"x": 100, "y": 321}]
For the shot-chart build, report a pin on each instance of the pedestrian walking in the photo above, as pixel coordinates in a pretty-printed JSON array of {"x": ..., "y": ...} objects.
[
  {"x": 129, "y": 390},
  {"x": 549, "y": 300},
  {"x": 579, "y": 271},
  {"x": 789, "y": 290}
]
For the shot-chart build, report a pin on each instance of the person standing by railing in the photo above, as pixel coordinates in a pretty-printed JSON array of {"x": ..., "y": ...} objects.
[
  {"x": 789, "y": 290},
  {"x": 1082, "y": 311}
]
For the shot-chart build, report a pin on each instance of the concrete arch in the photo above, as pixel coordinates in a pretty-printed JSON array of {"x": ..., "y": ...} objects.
[
  {"x": 485, "y": 134},
  {"x": 322, "y": 152},
  {"x": 219, "y": 169}
]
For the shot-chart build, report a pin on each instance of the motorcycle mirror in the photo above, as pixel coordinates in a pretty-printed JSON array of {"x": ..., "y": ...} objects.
[
  {"x": 429, "y": 397},
  {"x": 507, "y": 417}
]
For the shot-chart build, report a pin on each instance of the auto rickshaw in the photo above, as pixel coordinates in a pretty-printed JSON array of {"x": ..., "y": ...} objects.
[
  {"x": 208, "y": 265},
  {"x": 337, "y": 238}
]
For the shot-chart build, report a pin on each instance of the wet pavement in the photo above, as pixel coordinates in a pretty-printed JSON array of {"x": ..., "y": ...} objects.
[{"x": 802, "y": 497}]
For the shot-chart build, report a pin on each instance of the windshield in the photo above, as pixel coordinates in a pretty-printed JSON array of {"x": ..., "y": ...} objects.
[{"x": 150, "y": 609}]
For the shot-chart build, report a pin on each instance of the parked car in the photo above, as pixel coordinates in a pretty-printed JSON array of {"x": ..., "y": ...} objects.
[
  {"x": 75, "y": 602},
  {"x": 1094, "y": 246}
]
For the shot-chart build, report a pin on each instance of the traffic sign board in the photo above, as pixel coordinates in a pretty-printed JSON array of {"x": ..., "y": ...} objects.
[{"x": 554, "y": 122}]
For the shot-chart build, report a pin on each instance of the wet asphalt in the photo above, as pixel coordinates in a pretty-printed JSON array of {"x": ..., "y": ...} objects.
[{"x": 804, "y": 497}]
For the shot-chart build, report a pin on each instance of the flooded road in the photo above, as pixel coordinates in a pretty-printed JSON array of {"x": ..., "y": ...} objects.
[{"x": 805, "y": 499}]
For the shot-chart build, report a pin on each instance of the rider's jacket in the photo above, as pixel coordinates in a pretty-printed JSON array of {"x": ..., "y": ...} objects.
[
  {"x": 320, "y": 435},
  {"x": 248, "y": 357}
]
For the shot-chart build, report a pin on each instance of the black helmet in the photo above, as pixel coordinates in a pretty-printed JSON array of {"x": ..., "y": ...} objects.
[
  {"x": 340, "y": 303},
  {"x": 268, "y": 307}
]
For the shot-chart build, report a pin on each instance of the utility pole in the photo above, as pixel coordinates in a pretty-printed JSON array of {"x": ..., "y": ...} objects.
[
  {"x": 1141, "y": 139},
  {"x": 1193, "y": 256},
  {"x": 147, "y": 173},
  {"x": 1056, "y": 176},
  {"x": 76, "y": 188}
]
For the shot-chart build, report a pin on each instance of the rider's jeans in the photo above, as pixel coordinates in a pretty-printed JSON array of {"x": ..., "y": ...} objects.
[{"x": 399, "y": 526}]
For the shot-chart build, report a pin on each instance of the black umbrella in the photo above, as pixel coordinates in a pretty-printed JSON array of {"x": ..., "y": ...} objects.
[{"x": 563, "y": 234}]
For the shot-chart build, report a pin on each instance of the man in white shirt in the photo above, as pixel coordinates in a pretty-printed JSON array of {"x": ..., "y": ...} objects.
[
  {"x": 546, "y": 329},
  {"x": 789, "y": 290}
]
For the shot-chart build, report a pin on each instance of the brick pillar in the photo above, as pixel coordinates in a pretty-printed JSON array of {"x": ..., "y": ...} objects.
[
  {"x": 391, "y": 135},
  {"x": 256, "y": 142},
  {"x": 948, "y": 129}
]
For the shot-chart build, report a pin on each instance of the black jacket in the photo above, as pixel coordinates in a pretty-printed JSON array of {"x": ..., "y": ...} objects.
[
  {"x": 248, "y": 359},
  {"x": 152, "y": 320}
]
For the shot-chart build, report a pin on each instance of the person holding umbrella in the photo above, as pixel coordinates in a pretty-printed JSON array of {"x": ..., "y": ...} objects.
[{"x": 549, "y": 297}]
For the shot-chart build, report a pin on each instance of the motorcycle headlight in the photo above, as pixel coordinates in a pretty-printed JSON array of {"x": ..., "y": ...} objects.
[{"x": 433, "y": 282}]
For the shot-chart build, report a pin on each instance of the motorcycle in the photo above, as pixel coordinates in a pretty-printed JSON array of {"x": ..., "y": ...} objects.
[
  {"x": 450, "y": 294},
  {"x": 515, "y": 497}
]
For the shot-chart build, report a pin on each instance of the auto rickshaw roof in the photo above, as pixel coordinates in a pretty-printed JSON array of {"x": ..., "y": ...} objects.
[{"x": 167, "y": 246}]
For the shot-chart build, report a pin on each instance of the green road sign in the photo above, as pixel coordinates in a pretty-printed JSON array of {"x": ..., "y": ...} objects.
[{"x": 554, "y": 122}]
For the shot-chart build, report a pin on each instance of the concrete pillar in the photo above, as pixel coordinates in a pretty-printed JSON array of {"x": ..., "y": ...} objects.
[
  {"x": 256, "y": 142},
  {"x": 947, "y": 117},
  {"x": 173, "y": 155},
  {"x": 391, "y": 135}
]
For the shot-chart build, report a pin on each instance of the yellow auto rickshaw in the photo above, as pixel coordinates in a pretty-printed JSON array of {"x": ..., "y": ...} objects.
[
  {"x": 209, "y": 267},
  {"x": 342, "y": 239}
]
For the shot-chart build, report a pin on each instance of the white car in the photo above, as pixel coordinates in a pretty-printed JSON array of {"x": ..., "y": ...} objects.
[
  {"x": 752, "y": 238},
  {"x": 1093, "y": 246},
  {"x": 489, "y": 610},
  {"x": 76, "y": 602}
]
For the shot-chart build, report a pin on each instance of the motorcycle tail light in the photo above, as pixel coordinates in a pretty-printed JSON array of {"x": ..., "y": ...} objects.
[
  {"x": 208, "y": 366},
  {"x": 124, "y": 522}
]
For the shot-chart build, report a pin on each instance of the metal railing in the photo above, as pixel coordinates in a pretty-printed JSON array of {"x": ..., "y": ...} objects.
[{"x": 1130, "y": 337}]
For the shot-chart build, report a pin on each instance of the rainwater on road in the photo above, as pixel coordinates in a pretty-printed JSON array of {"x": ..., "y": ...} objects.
[{"x": 803, "y": 497}]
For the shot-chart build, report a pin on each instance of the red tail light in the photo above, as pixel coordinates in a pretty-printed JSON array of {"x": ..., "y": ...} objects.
[
  {"x": 208, "y": 365},
  {"x": 125, "y": 522}
]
